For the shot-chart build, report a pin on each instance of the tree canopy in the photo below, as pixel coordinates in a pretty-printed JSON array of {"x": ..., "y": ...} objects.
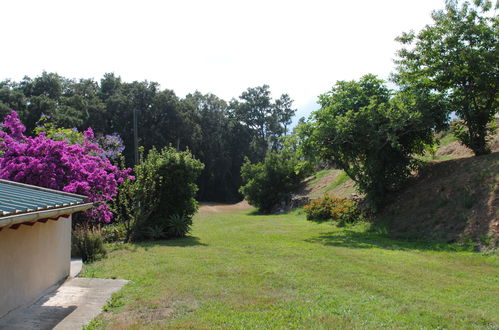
[
  {"x": 455, "y": 59},
  {"x": 218, "y": 133},
  {"x": 369, "y": 133}
]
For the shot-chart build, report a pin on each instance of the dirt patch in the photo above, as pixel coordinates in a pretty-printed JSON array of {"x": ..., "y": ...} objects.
[
  {"x": 458, "y": 150},
  {"x": 208, "y": 207},
  {"x": 455, "y": 149},
  {"x": 333, "y": 182}
]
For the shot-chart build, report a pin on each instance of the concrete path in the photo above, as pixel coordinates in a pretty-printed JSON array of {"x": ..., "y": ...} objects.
[{"x": 70, "y": 306}]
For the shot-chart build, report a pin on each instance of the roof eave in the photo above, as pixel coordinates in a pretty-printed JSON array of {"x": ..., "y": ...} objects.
[
  {"x": 14, "y": 183},
  {"x": 43, "y": 214}
]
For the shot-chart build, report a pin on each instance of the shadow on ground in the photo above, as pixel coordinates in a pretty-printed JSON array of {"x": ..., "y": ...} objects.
[
  {"x": 70, "y": 306},
  {"x": 41, "y": 315},
  {"x": 180, "y": 242},
  {"x": 366, "y": 240}
]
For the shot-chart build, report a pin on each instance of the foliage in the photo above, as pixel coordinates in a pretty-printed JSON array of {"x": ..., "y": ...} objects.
[
  {"x": 370, "y": 134},
  {"x": 270, "y": 183},
  {"x": 80, "y": 169},
  {"x": 87, "y": 243},
  {"x": 160, "y": 202},
  {"x": 135, "y": 201},
  {"x": 222, "y": 145},
  {"x": 111, "y": 144},
  {"x": 217, "y": 134},
  {"x": 341, "y": 210},
  {"x": 265, "y": 119},
  {"x": 178, "y": 225},
  {"x": 114, "y": 232},
  {"x": 455, "y": 59},
  {"x": 73, "y": 136}
]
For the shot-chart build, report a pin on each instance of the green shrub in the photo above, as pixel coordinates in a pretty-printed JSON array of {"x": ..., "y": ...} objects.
[
  {"x": 154, "y": 232},
  {"x": 164, "y": 187},
  {"x": 178, "y": 225},
  {"x": 87, "y": 243},
  {"x": 115, "y": 232},
  {"x": 341, "y": 210},
  {"x": 271, "y": 182}
]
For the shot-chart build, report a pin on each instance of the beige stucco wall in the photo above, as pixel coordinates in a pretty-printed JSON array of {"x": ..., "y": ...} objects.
[{"x": 32, "y": 259}]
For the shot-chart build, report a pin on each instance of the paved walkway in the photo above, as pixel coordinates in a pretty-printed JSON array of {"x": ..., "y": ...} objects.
[{"x": 70, "y": 306}]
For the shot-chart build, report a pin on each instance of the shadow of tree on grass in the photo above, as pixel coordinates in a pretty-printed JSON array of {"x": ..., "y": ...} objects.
[
  {"x": 369, "y": 240},
  {"x": 180, "y": 242}
]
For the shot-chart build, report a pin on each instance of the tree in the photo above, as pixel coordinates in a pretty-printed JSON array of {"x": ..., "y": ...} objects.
[
  {"x": 271, "y": 182},
  {"x": 455, "y": 59},
  {"x": 213, "y": 148},
  {"x": 284, "y": 111},
  {"x": 266, "y": 120},
  {"x": 370, "y": 134}
]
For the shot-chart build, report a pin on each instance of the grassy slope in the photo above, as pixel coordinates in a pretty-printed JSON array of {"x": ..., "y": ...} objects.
[
  {"x": 241, "y": 270},
  {"x": 450, "y": 200},
  {"x": 331, "y": 181},
  {"x": 454, "y": 197}
]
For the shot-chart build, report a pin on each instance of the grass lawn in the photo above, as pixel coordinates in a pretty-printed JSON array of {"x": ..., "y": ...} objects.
[{"x": 242, "y": 270}]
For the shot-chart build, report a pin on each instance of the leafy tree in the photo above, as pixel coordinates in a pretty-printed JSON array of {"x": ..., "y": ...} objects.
[
  {"x": 266, "y": 120},
  {"x": 284, "y": 111},
  {"x": 213, "y": 148},
  {"x": 369, "y": 134},
  {"x": 455, "y": 58},
  {"x": 271, "y": 182}
]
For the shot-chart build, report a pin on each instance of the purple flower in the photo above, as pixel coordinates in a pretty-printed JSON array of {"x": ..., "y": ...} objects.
[{"x": 58, "y": 165}]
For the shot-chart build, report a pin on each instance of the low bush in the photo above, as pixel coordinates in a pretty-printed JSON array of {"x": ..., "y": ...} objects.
[
  {"x": 112, "y": 233},
  {"x": 160, "y": 202},
  {"x": 87, "y": 243},
  {"x": 341, "y": 210},
  {"x": 178, "y": 225},
  {"x": 271, "y": 182},
  {"x": 175, "y": 226}
]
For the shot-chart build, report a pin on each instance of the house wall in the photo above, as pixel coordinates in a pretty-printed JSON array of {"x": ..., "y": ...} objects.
[{"x": 32, "y": 259}]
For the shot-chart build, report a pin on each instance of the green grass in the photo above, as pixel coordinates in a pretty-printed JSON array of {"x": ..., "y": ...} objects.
[
  {"x": 317, "y": 176},
  {"x": 342, "y": 178},
  {"x": 447, "y": 139},
  {"x": 253, "y": 271}
]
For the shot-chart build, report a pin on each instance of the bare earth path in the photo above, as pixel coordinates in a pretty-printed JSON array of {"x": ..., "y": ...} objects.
[{"x": 208, "y": 207}]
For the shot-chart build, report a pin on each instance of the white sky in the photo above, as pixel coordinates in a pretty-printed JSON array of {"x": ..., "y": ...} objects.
[{"x": 297, "y": 47}]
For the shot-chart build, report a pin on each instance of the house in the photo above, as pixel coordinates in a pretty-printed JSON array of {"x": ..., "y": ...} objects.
[{"x": 35, "y": 241}]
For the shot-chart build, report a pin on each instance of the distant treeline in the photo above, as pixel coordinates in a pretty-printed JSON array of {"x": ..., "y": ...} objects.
[{"x": 218, "y": 133}]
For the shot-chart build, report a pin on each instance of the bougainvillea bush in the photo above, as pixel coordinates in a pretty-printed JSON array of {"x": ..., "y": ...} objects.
[{"x": 76, "y": 168}]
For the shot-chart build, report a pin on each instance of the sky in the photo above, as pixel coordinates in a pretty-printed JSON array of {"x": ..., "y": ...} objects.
[{"x": 222, "y": 47}]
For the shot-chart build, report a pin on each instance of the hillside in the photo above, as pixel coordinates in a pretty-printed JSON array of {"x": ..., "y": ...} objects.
[{"x": 453, "y": 198}]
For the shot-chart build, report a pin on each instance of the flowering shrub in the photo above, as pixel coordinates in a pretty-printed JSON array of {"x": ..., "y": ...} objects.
[
  {"x": 111, "y": 144},
  {"x": 332, "y": 208},
  {"x": 75, "y": 168}
]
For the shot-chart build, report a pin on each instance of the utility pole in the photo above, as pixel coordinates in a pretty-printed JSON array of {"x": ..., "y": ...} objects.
[{"x": 135, "y": 136}]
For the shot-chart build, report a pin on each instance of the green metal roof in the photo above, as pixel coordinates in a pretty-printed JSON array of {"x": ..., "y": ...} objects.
[{"x": 16, "y": 198}]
